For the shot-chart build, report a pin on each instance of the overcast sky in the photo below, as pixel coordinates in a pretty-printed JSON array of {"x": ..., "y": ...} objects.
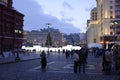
[{"x": 69, "y": 16}]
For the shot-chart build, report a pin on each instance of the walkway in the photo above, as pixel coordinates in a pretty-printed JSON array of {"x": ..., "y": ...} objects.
[{"x": 9, "y": 58}]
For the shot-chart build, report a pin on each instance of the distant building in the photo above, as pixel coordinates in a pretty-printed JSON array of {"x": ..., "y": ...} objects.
[
  {"x": 75, "y": 39},
  {"x": 11, "y": 27},
  {"x": 40, "y": 37},
  {"x": 68, "y": 40},
  {"x": 83, "y": 39}
]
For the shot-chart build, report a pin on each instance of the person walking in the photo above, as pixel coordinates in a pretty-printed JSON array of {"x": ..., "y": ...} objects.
[
  {"x": 76, "y": 59},
  {"x": 103, "y": 60},
  {"x": 108, "y": 60},
  {"x": 43, "y": 60},
  {"x": 82, "y": 59}
]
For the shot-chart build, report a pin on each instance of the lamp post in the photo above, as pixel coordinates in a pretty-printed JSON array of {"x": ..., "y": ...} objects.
[
  {"x": 104, "y": 39},
  {"x": 17, "y": 32},
  {"x": 113, "y": 26},
  {"x": 48, "y": 36}
]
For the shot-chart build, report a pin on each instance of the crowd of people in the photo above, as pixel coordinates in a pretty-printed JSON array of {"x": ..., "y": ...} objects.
[{"x": 80, "y": 58}]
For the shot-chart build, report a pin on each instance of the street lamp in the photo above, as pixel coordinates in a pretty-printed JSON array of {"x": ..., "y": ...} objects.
[
  {"x": 48, "y": 36},
  {"x": 17, "y": 32},
  {"x": 113, "y": 26}
]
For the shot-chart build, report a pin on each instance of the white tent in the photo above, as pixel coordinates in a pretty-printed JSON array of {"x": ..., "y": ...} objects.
[
  {"x": 90, "y": 45},
  {"x": 68, "y": 47}
]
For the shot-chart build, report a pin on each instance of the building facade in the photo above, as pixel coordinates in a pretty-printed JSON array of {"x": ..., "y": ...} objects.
[
  {"x": 108, "y": 16},
  {"x": 41, "y": 36},
  {"x": 92, "y": 27},
  {"x": 11, "y": 27},
  {"x": 75, "y": 39},
  {"x": 104, "y": 27},
  {"x": 72, "y": 39}
]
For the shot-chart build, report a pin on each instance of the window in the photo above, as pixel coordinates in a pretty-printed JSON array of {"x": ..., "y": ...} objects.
[
  {"x": 117, "y": 12},
  {"x": 111, "y": 17},
  {"x": 111, "y": 2},
  {"x": 111, "y": 7},
  {"x": 117, "y": 16},
  {"x": 111, "y": 12}
]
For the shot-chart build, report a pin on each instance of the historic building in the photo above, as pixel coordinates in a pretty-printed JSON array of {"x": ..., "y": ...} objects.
[
  {"x": 75, "y": 39},
  {"x": 106, "y": 24},
  {"x": 11, "y": 27},
  {"x": 92, "y": 27},
  {"x": 108, "y": 16},
  {"x": 40, "y": 37}
]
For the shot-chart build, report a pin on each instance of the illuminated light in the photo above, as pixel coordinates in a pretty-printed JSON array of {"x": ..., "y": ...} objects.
[
  {"x": 114, "y": 23},
  {"x": 20, "y": 31},
  {"x": 107, "y": 42},
  {"x": 93, "y": 22},
  {"x": 16, "y": 31},
  {"x": 111, "y": 23},
  {"x": 106, "y": 14},
  {"x": 101, "y": 42}
]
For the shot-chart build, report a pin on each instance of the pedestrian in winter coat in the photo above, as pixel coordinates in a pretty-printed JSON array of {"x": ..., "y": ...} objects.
[
  {"x": 43, "y": 60},
  {"x": 76, "y": 59},
  {"x": 108, "y": 60},
  {"x": 82, "y": 59}
]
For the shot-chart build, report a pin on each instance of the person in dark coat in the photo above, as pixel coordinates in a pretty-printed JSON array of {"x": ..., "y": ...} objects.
[
  {"x": 76, "y": 60},
  {"x": 43, "y": 60},
  {"x": 82, "y": 59},
  {"x": 107, "y": 58},
  {"x": 103, "y": 61}
]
